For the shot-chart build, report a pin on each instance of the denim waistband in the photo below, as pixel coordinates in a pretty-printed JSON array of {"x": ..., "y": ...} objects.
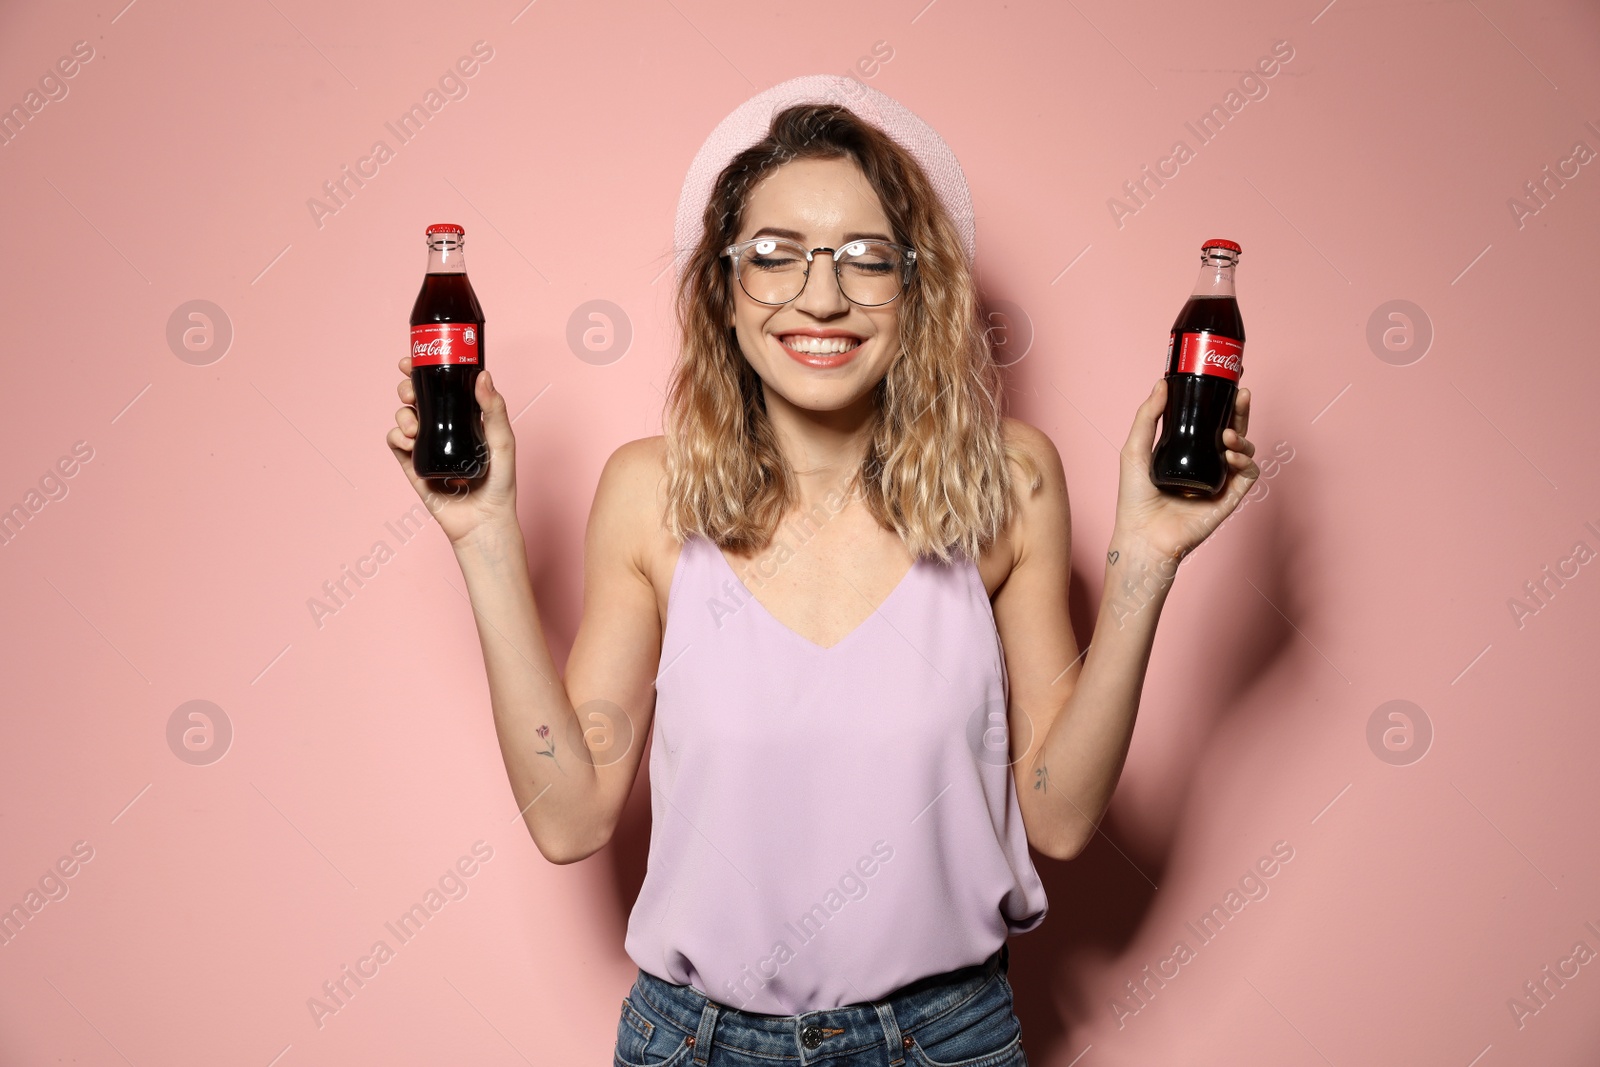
[{"x": 824, "y": 1033}]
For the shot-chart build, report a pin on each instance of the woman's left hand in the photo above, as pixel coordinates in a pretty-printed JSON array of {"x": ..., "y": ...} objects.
[{"x": 1169, "y": 524}]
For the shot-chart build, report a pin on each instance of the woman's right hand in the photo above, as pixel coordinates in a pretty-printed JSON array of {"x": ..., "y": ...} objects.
[{"x": 461, "y": 506}]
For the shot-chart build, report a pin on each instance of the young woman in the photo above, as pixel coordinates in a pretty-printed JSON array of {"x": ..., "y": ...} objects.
[{"x": 835, "y": 593}]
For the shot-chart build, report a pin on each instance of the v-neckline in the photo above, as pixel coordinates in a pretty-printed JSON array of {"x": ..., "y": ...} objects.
[{"x": 786, "y": 628}]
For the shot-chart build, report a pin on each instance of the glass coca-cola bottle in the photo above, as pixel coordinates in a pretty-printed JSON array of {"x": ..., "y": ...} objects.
[
  {"x": 1205, "y": 356},
  {"x": 446, "y": 356}
]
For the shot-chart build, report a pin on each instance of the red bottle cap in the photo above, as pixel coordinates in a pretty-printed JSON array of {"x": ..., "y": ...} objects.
[
  {"x": 1217, "y": 242},
  {"x": 443, "y": 227}
]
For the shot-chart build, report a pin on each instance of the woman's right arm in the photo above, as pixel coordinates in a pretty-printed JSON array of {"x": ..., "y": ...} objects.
[{"x": 571, "y": 747}]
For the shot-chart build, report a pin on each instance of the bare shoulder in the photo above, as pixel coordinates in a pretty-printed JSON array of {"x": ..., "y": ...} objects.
[
  {"x": 1034, "y": 444},
  {"x": 630, "y": 502},
  {"x": 632, "y": 486},
  {"x": 1043, "y": 516},
  {"x": 635, "y": 463},
  {"x": 1035, "y": 461}
]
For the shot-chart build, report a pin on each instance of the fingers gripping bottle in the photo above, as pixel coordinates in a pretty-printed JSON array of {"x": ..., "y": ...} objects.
[
  {"x": 446, "y": 357},
  {"x": 1205, "y": 356}
]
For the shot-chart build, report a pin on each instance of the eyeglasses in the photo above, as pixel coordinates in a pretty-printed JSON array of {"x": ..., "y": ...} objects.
[{"x": 773, "y": 270}]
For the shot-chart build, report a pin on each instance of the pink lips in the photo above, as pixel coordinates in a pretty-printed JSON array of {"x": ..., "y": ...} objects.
[{"x": 821, "y": 359}]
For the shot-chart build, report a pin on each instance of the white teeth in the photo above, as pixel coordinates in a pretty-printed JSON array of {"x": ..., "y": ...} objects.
[{"x": 819, "y": 345}]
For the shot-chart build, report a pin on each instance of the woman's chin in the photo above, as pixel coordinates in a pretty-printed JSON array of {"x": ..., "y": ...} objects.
[{"x": 833, "y": 395}]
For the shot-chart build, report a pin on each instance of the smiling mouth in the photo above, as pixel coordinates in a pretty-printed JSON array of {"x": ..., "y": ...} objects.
[
  {"x": 820, "y": 351},
  {"x": 818, "y": 346}
]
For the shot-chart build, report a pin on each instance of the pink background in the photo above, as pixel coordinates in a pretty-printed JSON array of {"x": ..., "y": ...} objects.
[{"x": 1374, "y": 565}]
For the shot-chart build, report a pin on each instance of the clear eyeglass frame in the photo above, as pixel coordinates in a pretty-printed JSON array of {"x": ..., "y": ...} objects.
[{"x": 735, "y": 252}]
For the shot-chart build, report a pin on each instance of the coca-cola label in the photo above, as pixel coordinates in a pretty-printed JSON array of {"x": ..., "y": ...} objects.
[
  {"x": 1206, "y": 353},
  {"x": 444, "y": 344}
]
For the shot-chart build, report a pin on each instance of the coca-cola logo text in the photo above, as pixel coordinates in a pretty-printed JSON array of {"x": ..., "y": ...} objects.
[
  {"x": 440, "y": 343},
  {"x": 1225, "y": 361},
  {"x": 1210, "y": 353},
  {"x": 439, "y": 346}
]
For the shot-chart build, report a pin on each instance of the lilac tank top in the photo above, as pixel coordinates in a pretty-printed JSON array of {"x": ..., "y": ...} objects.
[{"x": 829, "y": 824}]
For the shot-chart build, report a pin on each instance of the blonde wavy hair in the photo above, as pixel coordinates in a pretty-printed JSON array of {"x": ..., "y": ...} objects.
[{"x": 935, "y": 469}]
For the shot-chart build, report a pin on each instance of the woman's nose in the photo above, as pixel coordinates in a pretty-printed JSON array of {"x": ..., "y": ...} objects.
[{"x": 821, "y": 295}]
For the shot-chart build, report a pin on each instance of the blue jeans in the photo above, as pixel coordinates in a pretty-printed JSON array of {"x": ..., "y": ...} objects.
[{"x": 962, "y": 1018}]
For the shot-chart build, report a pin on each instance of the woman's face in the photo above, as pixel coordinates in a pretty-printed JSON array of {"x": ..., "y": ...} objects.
[{"x": 819, "y": 203}]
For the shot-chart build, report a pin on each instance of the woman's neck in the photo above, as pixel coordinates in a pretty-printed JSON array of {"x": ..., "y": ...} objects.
[{"x": 824, "y": 449}]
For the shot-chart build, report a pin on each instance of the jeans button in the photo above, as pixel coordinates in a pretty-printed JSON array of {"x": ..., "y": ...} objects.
[{"x": 811, "y": 1036}]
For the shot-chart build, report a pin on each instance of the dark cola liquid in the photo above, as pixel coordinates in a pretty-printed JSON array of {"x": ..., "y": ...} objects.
[
  {"x": 450, "y": 440},
  {"x": 1189, "y": 455}
]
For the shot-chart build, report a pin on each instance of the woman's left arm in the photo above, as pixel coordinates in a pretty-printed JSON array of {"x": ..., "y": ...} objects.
[{"x": 1071, "y": 714}]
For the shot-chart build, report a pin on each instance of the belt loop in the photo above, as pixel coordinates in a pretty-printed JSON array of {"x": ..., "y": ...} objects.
[
  {"x": 702, "y": 1036},
  {"x": 891, "y": 1033}
]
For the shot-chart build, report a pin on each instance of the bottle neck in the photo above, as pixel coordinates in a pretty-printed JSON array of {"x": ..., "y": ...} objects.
[
  {"x": 1216, "y": 273},
  {"x": 445, "y": 254}
]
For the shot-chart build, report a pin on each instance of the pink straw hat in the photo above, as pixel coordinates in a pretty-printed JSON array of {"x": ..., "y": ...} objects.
[{"x": 748, "y": 123}]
